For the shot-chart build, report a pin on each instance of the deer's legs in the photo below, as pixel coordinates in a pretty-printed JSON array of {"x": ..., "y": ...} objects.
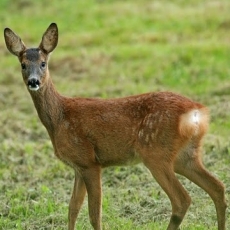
[
  {"x": 194, "y": 170},
  {"x": 180, "y": 200},
  {"x": 92, "y": 179},
  {"x": 76, "y": 200}
]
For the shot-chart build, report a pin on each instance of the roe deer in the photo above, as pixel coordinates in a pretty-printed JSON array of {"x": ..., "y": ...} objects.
[{"x": 163, "y": 130}]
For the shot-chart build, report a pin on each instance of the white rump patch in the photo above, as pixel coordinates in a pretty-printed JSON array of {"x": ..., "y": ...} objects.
[
  {"x": 196, "y": 117},
  {"x": 194, "y": 122}
]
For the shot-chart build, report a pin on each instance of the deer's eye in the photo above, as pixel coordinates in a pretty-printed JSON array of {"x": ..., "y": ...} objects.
[
  {"x": 23, "y": 65},
  {"x": 43, "y": 64}
]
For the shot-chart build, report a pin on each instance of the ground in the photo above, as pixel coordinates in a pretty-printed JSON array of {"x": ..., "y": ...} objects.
[{"x": 111, "y": 49}]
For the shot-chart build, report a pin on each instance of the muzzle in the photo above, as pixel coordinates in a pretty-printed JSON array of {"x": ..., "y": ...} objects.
[{"x": 33, "y": 84}]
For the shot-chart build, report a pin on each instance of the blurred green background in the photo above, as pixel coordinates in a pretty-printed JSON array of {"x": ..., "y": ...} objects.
[{"x": 110, "y": 49}]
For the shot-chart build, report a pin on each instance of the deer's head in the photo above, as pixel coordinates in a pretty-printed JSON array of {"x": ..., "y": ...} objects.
[{"x": 33, "y": 60}]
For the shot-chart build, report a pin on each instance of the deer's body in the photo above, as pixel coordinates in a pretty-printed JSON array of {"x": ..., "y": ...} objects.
[
  {"x": 163, "y": 130},
  {"x": 116, "y": 128}
]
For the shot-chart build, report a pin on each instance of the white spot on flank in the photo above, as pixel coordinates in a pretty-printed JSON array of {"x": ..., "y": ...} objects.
[
  {"x": 152, "y": 136},
  {"x": 141, "y": 133},
  {"x": 147, "y": 138},
  {"x": 66, "y": 124}
]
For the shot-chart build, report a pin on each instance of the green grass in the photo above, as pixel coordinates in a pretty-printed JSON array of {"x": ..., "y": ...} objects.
[{"x": 109, "y": 49}]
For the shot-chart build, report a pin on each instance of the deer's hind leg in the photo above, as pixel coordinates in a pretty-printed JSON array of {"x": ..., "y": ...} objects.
[
  {"x": 189, "y": 164},
  {"x": 162, "y": 170}
]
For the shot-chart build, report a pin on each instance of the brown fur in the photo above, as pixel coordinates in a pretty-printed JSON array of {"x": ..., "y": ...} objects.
[{"x": 163, "y": 130}]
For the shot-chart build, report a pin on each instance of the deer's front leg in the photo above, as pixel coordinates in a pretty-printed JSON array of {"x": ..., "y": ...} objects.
[
  {"x": 76, "y": 200},
  {"x": 92, "y": 179}
]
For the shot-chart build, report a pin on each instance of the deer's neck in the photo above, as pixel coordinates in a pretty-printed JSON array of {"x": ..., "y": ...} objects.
[{"x": 48, "y": 103}]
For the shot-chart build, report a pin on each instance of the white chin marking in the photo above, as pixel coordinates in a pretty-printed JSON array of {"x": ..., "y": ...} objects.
[{"x": 34, "y": 88}]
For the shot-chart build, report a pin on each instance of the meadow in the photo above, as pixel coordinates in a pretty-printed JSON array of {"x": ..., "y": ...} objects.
[{"x": 108, "y": 49}]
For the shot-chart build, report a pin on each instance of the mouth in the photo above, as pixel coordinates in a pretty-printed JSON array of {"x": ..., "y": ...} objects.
[{"x": 33, "y": 88}]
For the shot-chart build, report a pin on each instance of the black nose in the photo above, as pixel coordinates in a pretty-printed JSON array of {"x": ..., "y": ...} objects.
[{"x": 33, "y": 83}]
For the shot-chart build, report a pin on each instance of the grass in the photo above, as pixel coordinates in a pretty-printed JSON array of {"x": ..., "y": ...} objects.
[{"x": 111, "y": 49}]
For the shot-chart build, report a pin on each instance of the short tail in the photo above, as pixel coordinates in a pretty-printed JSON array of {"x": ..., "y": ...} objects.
[{"x": 194, "y": 123}]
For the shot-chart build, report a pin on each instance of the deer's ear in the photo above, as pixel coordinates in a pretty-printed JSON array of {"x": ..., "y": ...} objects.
[
  {"x": 13, "y": 42},
  {"x": 49, "y": 39}
]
